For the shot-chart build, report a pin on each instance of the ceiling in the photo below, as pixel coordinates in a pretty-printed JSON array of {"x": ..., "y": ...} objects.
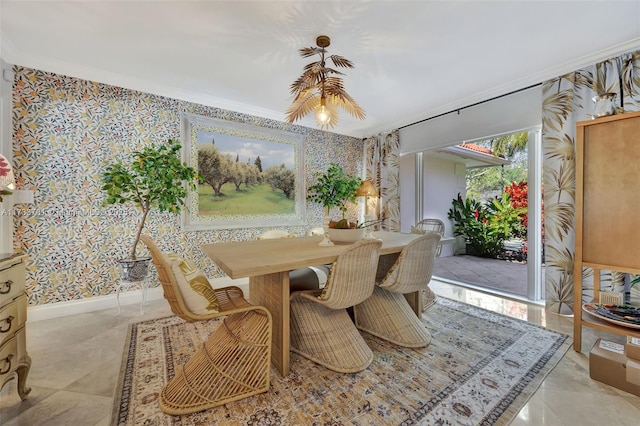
[{"x": 413, "y": 59}]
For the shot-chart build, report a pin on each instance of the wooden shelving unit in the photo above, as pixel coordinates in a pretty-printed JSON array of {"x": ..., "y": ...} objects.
[{"x": 607, "y": 233}]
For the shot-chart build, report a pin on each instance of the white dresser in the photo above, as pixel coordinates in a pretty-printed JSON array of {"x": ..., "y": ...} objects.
[{"x": 14, "y": 359}]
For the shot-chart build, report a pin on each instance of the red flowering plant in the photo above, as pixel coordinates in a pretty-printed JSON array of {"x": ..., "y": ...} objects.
[
  {"x": 471, "y": 220},
  {"x": 518, "y": 194},
  {"x": 485, "y": 227}
]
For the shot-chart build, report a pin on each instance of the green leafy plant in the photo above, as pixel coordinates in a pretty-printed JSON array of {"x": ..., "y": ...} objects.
[
  {"x": 484, "y": 227},
  {"x": 505, "y": 216},
  {"x": 155, "y": 178},
  {"x": 334, "y": 188}
]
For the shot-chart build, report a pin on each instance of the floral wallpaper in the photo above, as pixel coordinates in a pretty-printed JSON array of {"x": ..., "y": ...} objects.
[
  {"x": 566, "y": 100},
  {"x": 65, "y": 130}
]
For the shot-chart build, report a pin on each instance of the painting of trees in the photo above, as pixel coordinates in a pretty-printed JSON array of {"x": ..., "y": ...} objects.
[
  {"x": 214, "y": 167},
  {"x": 249, "y": 175},
  {"x": 280, "y": 177}
]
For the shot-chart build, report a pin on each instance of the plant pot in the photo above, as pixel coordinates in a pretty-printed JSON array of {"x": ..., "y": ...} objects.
[
  {"x": 346, "y": 236},
  {"x": 134, "y": 269}
]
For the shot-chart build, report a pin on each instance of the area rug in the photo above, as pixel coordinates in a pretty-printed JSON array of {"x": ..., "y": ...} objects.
[{"x": 480, "y": 369}]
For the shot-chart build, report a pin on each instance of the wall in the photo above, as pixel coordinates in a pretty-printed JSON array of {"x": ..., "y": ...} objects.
[
  {"x": 64, "y": 132},
  {"x": 441, "y": 185},
  {"x": 442, "y": 180}
]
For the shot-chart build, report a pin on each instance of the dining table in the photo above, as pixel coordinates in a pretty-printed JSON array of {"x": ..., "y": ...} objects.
[{"x": 267, "y": 264}]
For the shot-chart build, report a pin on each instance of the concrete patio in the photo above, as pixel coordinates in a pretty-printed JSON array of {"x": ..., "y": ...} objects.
[{"x": 493, "y": 274}]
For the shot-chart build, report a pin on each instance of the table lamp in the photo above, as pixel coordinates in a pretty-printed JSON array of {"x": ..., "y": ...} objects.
[{"x": 367, "y": 190}]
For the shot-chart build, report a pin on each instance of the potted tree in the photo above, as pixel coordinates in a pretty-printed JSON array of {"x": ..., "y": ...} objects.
[
  {"x": 154, "y": 178},
  {"x": 332, "y": 189}
]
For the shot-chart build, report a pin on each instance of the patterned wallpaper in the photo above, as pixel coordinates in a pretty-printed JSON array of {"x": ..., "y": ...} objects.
[{"x": 65, "y": 131}]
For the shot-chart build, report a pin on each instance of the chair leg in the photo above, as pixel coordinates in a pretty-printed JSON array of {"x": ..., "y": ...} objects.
[
  {"x": 388, "y": 316},
  {"x": 234, "y": 363},
  {"x": 327, "y": 337}
]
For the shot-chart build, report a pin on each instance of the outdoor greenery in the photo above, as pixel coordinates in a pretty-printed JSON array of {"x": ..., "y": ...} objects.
[
  {"x": 496, "y": 206},
  {"x": 334, "y": 188},
  {"x": 488, "y": 182},
  {"x": 485, "y": 226},
  {"x": 154, "y": 178}
]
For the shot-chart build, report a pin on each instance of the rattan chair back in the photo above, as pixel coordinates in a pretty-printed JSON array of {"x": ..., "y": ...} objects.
[
  {"x": 352, "y": 276},
  {"x": 413, "y": 269},
  {"x": 434, "y": 225},
  {"x": 229, "y": 298}
]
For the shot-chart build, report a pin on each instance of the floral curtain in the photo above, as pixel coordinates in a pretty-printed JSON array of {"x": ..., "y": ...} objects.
[
  {"x": 382, "y": 159},
  {"x": 567, "y": 100}
]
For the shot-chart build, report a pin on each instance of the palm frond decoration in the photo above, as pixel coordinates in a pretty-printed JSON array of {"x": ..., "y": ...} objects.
[
  {"x": 559, "y": 257},
  {"x": 561, "y": 148},
  {"x": 560, "y": 292},
  {"x": 556, "y": 108},
  {"x": 560, "y": 181},
  {"x": 320, "y": 87},
  {"x": 558, "y": 220}
]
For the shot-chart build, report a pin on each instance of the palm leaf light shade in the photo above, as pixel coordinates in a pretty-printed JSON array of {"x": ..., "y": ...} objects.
[{"x": 319, "y": 89}]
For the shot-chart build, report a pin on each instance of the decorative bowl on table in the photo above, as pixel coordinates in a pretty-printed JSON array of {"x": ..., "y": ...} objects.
[{"x": 346, "y": 236}]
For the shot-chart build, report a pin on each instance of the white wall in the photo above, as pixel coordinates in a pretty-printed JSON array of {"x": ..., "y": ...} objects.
[{"x": 443, "y": 180}]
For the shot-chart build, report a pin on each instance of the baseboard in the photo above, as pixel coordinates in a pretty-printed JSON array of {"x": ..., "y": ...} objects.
[{"x": 73, "y": 307}]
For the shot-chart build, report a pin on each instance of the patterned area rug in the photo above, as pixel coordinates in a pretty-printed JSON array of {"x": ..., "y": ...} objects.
[{"x": 480, "y": 369}]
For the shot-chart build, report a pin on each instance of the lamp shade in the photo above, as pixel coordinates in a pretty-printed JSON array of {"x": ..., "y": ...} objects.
[{"x": 367, "y": 189}]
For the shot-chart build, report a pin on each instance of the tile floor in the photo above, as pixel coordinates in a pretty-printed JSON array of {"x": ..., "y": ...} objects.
[{"x": 76, "y": 360}]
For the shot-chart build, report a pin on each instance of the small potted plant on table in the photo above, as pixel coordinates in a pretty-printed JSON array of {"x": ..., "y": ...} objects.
[
  {"x": 335, "y": 189},
  {"x": 154, "y": 178}
]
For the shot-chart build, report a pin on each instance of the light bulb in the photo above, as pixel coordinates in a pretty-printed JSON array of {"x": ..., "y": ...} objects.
[{"x": 323, "y": 115}]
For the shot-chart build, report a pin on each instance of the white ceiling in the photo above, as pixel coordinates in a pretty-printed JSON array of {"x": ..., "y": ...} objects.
[{"x": 413, "y": 59}]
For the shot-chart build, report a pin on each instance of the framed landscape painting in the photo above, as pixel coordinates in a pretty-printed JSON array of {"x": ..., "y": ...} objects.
[{"x": 251, "y": 176}]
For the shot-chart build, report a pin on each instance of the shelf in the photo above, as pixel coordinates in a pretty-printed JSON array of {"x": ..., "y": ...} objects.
[
  {"x": 602, "y": 325},
  {"x": 605, "y": 237}
]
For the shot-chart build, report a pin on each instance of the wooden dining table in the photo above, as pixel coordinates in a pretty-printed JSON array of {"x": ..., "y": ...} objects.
[{"x": 267, "y": 264}]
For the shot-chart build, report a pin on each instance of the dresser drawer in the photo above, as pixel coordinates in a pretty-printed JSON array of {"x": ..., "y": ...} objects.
[
  {"x": 9, "y": 357},
  {"x": 12, "y": 317},
  {"x": 11, "y": 282}
]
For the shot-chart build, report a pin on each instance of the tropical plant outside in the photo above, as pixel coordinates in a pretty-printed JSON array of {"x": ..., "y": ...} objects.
[
  {"x": 485, "y": 226},
  {"x": 489, "y": 182}
]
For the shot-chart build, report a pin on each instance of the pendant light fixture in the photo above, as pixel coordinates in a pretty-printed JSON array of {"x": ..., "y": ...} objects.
[{"x": 320, "y": 90}]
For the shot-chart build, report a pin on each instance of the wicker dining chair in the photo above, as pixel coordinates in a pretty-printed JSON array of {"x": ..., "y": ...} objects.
[
  {"x": 387, "y": 314},
  {"x": 234, "y": 362},
  {"x": 321, "y": 328},
  {"x": 423, "y": 226},
  {"x": 433, "y": 225},
  {"x": 308, "y": 278}
]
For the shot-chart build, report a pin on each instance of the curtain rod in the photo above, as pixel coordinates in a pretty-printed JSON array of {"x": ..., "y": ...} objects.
[{"x": 469, "y": 106}]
